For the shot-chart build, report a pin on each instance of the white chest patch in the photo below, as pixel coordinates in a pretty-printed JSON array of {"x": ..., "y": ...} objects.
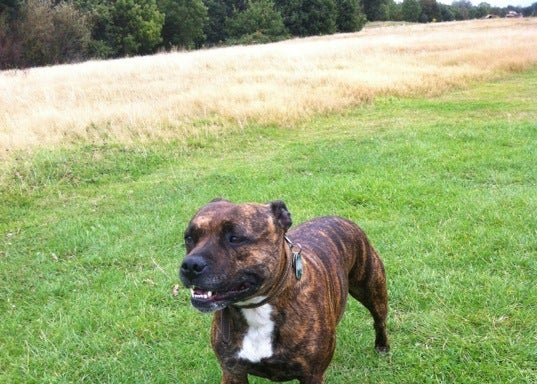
[{"x": 257, "y": 343}]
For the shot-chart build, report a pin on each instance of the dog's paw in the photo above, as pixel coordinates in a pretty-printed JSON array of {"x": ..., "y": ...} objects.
[{"x": 382, "y": 349}]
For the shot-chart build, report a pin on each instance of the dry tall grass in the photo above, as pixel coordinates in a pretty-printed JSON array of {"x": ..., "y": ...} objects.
[{"x": 179, "y": 94}]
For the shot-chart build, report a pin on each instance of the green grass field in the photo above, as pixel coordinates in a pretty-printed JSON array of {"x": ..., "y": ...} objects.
[{"x": 446, "y": 188}]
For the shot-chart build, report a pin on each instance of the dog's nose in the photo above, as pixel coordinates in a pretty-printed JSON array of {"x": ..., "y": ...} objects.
[{"x": 193, "y": 266}]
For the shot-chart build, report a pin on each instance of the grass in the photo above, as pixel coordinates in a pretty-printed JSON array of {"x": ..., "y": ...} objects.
[
  {"x": 446, "y": 188},
  {"x": 178, "y": 95}
]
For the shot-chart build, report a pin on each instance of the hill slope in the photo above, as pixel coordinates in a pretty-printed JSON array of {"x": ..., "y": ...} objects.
[{"x": 185, "y": 94}]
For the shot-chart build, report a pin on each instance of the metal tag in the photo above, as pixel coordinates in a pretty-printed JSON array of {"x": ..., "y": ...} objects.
[{"x": 297, "y": 265}]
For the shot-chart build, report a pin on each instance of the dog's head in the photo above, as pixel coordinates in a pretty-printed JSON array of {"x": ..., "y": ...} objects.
[{"x": 233, "y": 252}]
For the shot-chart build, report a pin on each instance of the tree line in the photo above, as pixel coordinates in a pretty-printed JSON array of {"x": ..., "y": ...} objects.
[{"x": 43, "y": 32}]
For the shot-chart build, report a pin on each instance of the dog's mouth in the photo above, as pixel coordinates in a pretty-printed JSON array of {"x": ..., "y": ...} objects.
[{"x": 206, "y": 300}]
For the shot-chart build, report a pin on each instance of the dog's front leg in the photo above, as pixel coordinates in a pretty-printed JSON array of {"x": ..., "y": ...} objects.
[{"x": 231, "y": 378}]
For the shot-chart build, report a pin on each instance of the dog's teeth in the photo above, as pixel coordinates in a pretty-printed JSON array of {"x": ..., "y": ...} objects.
[{"x": 205, "y": 295}]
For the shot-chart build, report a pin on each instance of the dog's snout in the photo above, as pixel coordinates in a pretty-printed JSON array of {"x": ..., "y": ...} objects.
[{"x": 193, "y": 266}]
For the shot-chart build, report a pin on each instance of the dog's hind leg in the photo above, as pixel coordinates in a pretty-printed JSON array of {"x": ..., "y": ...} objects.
[{"x": 367, "y": 284}]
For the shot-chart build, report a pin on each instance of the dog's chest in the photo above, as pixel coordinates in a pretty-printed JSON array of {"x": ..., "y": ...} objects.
[{"x": 257, "y": 341}]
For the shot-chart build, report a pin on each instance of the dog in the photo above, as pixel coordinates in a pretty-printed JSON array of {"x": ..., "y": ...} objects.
[{"x": 277, "y": 296}]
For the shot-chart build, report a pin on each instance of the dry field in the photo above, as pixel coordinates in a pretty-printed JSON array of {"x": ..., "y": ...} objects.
[{"x": 189, "y": 93}]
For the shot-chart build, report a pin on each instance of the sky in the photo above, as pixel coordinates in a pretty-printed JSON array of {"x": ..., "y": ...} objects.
[{"x": 498, "y": 3}]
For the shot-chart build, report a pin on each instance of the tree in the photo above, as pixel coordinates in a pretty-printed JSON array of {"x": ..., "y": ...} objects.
[
  {"x": 429, "y": 11},
  {"x": 10, "y": 47},
  {"x": 71, "y": 33},
  {"x": 123, "y": 27},
  {"x": 260, "y": 22},
  {"x": 46, "y": 33},
  {"x": 530, "y": 11},
  {"x": 411, "y": 10},
  {"x": 135, "y": 27},
  {"x": 446, "y": 14},
  {"x": 482, "y": 10},
  {"x": 350, "y": 17},
  {"x": 375, "y": 9},
  {"x": 463, "y": 10},
  {"x": 35, "y": 28},
  {"x": 184, "y": 21},
  {"x": 394, "y": 11},
  {"x": 8, "y": 7},
  {"x": 99, "y": 16},
  {"x": 218, "y": 11},
  {"x": 308, "y": 17},
  {"x": 8, "y": 11}
]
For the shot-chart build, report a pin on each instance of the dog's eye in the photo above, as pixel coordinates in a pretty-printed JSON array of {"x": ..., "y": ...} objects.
[
  {"x": 189, "y": 240},
  {"x": 234, "y": 239}
]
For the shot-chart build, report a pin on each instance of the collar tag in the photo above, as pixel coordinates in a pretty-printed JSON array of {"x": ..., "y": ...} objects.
[
  {"x": 296, "y": 250},
  {"x": 297, "y": 265}
]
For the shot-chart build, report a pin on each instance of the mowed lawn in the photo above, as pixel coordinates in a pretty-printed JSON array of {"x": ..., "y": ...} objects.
[{"x": 446, "y": 188}]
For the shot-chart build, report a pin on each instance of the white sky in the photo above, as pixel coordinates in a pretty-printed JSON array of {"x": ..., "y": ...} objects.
[{"x": 498, "y": 3}]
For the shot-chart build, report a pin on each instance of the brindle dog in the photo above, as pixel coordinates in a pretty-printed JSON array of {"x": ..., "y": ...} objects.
[{"x": 278, "y": 296}]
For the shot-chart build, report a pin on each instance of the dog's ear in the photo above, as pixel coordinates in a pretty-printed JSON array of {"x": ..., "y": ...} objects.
[{"x": 282, "y": 215}]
